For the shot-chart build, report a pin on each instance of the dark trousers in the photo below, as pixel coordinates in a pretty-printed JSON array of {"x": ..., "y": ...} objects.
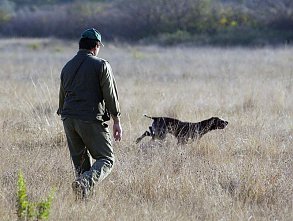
[{"x": 87, "y": 137}]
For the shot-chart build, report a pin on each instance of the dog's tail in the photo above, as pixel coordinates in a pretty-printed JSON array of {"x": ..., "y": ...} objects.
[{"x": 148, "y": 116}]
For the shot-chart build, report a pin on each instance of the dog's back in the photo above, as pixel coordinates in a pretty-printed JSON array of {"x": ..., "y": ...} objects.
[{"x": 167, "y": 122}]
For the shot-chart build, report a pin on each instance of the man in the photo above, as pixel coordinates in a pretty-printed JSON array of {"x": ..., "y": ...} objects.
[{"x": 87, "y": 98}]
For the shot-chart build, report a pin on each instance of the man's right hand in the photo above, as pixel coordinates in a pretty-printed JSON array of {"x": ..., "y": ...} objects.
[{"x": 117, "y": 131}]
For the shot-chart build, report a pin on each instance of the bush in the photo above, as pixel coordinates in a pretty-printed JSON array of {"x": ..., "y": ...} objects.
[
  {"x": 174, "y": 38},
  {"x": 6, "y": 11},
  {"x": 27, "y": 210}
]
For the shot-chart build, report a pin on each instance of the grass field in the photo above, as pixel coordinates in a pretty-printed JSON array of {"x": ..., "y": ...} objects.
[{"x": 243, "y": 172}]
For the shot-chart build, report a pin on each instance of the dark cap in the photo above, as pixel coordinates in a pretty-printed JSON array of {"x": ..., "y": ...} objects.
[{"x": 92, "y": 34}]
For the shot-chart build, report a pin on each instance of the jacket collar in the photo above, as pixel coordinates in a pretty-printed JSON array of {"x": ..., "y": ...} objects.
[{"x": 85, "y": 51}]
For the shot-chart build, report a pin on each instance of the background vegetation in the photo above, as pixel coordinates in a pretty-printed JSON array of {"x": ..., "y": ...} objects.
[
  {"x": 243, "y": 172},
  {"x": 224, "y": 22}
]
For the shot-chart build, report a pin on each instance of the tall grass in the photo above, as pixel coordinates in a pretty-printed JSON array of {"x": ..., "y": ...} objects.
[{"x": 240, "y": 173}]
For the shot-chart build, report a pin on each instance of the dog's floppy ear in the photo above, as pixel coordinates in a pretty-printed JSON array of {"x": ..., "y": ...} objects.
[
  {"x": 212, "y": 120},
  {"x": 209, "y": 123}
]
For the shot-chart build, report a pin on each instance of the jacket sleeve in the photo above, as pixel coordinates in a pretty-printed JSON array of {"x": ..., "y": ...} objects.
[
  {"x": 109, "y": 89},
  {"x": 61, "y": 98}
]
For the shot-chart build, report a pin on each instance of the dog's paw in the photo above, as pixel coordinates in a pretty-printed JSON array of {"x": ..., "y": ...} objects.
[{"x": 138, "y": 140}]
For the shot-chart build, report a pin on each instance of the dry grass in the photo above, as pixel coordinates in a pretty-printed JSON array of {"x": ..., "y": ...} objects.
[{"x": 241, "y": 173}]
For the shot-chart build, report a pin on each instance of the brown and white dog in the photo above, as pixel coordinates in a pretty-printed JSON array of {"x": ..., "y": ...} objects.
[{"x": 183, "y": 131}]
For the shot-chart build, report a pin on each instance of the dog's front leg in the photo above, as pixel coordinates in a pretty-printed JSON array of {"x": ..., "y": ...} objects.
[{"x": 182, "y": 140}]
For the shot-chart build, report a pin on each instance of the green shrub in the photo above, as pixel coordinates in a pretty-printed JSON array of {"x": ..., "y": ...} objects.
[
  {"x": 27, "y": 210},
  {"x": 174, "y": 38},
  {"x": 22, "y": 201}
]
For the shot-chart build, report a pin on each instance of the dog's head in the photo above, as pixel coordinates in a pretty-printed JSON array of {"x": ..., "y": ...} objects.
[{"x": 217, "y": 123}]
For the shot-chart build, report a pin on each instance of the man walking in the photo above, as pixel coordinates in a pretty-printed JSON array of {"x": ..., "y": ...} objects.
[{"x": 87, "y": 98}]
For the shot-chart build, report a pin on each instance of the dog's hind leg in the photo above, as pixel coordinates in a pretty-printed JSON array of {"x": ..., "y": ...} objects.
[
  {"x": 152, "y": 134},
  {"x": 145, "y": 134}
]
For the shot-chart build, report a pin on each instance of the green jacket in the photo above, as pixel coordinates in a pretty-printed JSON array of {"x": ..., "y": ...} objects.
[{"x": 88, "y": 89}]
